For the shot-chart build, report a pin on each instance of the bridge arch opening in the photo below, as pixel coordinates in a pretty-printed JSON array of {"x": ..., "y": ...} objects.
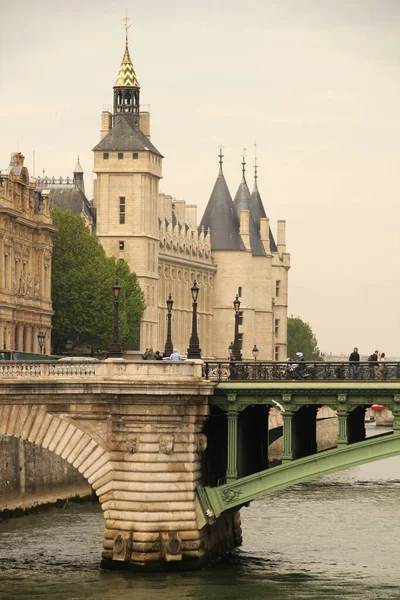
[{"x": 60, "y": 435}]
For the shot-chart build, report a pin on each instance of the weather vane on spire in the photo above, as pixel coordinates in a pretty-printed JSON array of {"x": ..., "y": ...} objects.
[
  {"x": 255, "y": 161},
  {"x": 126, "y": 26},
  {"x": 244, "y": 162}
]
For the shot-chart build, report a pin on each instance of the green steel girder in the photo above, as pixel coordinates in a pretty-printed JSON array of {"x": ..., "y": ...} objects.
[
  {"x": 215, "y": 501},
  {"x": 293, "y": 395}
]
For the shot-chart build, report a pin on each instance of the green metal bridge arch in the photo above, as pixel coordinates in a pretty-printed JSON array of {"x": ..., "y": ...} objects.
[
  {"x": 298, "y": 403},
  {"x": 233, "y": 495}
]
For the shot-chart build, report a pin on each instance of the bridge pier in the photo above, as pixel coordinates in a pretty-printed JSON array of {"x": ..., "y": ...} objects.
[{"x": 135, "y": 432}]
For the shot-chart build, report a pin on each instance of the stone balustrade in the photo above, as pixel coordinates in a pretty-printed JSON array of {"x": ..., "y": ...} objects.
[{"x": 157, "y": 371}]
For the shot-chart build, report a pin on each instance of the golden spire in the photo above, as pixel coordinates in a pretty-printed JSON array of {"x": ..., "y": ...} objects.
[{"x": 126, "y": 76}]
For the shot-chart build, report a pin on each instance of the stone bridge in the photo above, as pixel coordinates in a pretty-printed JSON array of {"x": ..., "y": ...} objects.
[{"x": 172, "y": 455}]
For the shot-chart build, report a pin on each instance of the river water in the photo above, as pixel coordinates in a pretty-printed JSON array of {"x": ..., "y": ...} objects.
[{"x": 337, "y": 537}]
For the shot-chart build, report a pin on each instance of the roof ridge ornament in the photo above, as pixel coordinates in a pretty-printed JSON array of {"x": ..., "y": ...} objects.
[{"x": 255, "y": 161}]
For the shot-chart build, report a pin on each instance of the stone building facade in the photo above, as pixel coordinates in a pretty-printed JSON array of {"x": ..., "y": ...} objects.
[
  {"x": 25, "y": 260},
  {"x": 233, "y": 251}
]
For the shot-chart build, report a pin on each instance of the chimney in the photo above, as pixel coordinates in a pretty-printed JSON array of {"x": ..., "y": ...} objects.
[
  {"x": 264, "y": 234},
  {"x": 245, "y": 228},
  {"x": 144, "y": 123},
  {"x": 281, "y": 240},
  {"x": 191, "y": 215},
  {"x": 180, "y": 210},
  {"x": 106, "y": 120}
]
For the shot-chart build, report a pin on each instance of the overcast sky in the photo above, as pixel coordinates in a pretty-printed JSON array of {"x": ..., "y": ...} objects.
[{"x": 315, "y": 82}]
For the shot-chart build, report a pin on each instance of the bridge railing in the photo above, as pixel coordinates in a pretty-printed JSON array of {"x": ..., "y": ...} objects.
[
  {"x": 152, "y": 371},
  {"x": 304, "y": 371}
]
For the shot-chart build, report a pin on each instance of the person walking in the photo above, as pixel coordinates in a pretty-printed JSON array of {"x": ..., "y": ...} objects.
[
  {"x": 373, "y": 359},
  {"x": 382, "y": 368},
  {"x": 354, "y": 360}
]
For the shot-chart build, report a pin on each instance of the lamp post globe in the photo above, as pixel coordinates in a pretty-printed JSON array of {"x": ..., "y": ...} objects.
[
  {"x": 115, "y": 348},
  {"x": 168, "y": 349},
  {"x": 194, "y": 350},
  {"x": 236, "y": 352}
]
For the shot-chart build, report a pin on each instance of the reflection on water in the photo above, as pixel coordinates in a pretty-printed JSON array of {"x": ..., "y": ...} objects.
[{"x": 337, "y": 537}]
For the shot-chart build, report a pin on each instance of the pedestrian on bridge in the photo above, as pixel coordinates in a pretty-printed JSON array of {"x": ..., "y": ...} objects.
[
  {"x": 149, "y": 355},
  {"x": 373, "y": 359},
  {"x": 354, "y": 359}
]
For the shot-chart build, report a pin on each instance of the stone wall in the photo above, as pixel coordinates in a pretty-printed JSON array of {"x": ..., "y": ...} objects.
[{"x": 31, "y": 476}]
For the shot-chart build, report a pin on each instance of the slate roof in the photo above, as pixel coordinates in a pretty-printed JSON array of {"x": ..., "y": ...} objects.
[
  {"x": 260, "y": 213},
  {"x": 71, "y": 198},
  {"x": 243, "y": 201},
  {"x": 221, "y": 218},
  {"x": 126, "y": 135}
]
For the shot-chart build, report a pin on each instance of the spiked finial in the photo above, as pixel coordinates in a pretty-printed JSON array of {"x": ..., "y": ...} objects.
[
  {"x": 244, "y": 164},
  {"x": 126, "y": 76},
  {"x": 221, "y": 156},
  {"x": 255, "y": 161},
  {"x": 126, "y": 26}
]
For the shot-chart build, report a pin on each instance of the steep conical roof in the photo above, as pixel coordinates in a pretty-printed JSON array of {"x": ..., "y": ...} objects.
[
  {"x": 260, "y": 213},
  {"x": 78, "y": 168},
  {"x": 126, "y": 76},
  {"x": 221, "y": 218},
  {"x": 243, "y": 201}
]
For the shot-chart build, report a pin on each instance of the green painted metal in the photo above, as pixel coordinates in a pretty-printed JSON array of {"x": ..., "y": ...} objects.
[
  {"x": 232, "y": 469},
  {"x": 215, "y": 501}
]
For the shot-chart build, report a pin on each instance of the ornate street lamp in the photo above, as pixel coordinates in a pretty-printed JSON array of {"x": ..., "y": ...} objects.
[
  {"x": 115, "y": 348},
  {"x": 255, "y": 352},
  {"x": 168, "y": 344},
  {"x": 41, "y": 339},
  {"x": 236, "y": 353},
  {"x": 194, "y": 344}
]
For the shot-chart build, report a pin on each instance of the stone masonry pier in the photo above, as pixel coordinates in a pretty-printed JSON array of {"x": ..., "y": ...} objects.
[{"x": 134, "y": 430}]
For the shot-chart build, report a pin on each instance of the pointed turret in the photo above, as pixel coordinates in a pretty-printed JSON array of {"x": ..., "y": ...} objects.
[
  {"x": 259, "y": 210},
  {"x": 78, "y": 177},
  {"x": 221, "y": 218},
  {"x": 125, "y": 132},
  {"x": 243, "y": 201},
  {"x": 126, "y": 88}
]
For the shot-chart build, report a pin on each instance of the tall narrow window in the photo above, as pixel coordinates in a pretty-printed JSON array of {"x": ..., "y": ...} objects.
[
  {"x": 276, "y": 327},
  {"x": 121, "y": 246},
  {"x": 240, "y": 319},
  {"x": 240, "y": 291},
  {"x": 277, "y": 288},
  {"x": 122, "y": 210},
  {"x": 276, "y": 352}
]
